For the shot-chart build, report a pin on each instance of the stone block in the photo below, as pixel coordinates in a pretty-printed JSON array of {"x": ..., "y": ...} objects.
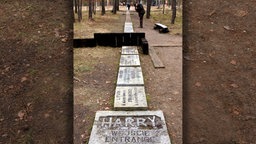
[
  {"x": 144, "y": 45},
  {"x": 129, "y": 50},
  {"x": 128, "y": 29},
  {"x": 128, "y": 76},
  {"x": 130, "y": 97},
  {"x": 129, "y": 60},
  {"x": 129, "y": 127}
]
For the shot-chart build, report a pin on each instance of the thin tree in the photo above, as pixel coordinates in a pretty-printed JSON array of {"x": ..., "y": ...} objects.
[
  {"x": 90, "y": 9},
  {"x": 149, "y": 2},
  {"x": 114, "y": 7},
  {"x": 78, "y": 9},
  {"x": 163, "y": 6},
  {"x": 79, "y": 12},
  {"x": 75, "y": 10},
  {"x": 93, "y": 7},
  {"x": 173, "y": 11},
  {"x": 75, "y": 5},
  {"x": 103, "y": 11},
  {"x": 117, "y": 5}
]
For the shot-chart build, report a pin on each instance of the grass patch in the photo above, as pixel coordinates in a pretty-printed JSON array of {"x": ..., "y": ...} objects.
[
  {"x": 148, "y": 98},
  {"x": 83, "y": 68},
  {"x": 32, "y": 72},
  {"x": 81, "y": 62},
  {"x": 112, "y": 100},
  {"x": 100, "y": 24}
]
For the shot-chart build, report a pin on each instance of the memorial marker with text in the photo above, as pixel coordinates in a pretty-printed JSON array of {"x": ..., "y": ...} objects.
[
  {"x": 128, "y": 76},
  {"x": 132, "y": 97},
  {"x": 129, "y": 50},
  {"x": 133, "y": 127},
  {"x": 129, "y": 60}
]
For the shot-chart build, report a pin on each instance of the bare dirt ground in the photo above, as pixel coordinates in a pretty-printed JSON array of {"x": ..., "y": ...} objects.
[
  {"x": 35, "y": 78},
  {"x": 219, "y": 77},
  {"x": 218, "y": 72},
  {"x": 95, "y": 71}
]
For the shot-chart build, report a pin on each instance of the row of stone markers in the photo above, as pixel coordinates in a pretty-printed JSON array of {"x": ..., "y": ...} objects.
[{"x": 129, "y": 127}]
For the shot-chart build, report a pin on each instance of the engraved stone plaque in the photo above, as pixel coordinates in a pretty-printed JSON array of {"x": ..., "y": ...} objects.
[
  {"x": 129, "y": 60},
  {"x": 128, "y": 27},
  {"x": 128, "y": 76},
  {"x": 130, "y": 97},
  {"x": 128, "y": 24},
  {"x": 129, "y": 50},
  {"x": 129, "y": 127}
]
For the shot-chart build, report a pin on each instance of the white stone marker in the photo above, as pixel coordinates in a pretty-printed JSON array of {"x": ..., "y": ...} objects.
[
  {"x": 130, "y": 97},
  {"x": 128, "y": 27},
  {"x": 129, "y": 60},
  {"x": 129, "y": 127},
  {"x": 126, "y": 50},
  {"x": 128, "y": 76}
]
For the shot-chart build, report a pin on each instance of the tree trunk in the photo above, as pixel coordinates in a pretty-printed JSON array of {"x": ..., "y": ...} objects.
[
  {"x": 103, "y": 7},
  {"x": 90, "y": 9},
  {"x": 75, "y": 4},
  {"x": 149, "y": 2},
  {"x": 93, "y": 7},
  {"x": 163, "y": 6},
  {"x": 79, "y": 13},
  {"x": 173, "y": 11},
  {"x": 114, "y": 7},
  {"x": 117, "y": 5}
]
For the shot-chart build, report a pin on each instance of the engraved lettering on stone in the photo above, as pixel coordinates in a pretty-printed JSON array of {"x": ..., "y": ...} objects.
[
  {"x": 117, "y": 122},
  {"x": 129, "y": 95},
  {"x": 104, "y": 122},
  {"x": 124, "y": 98},
  {"x": 129, "y": 121},
  {"x": 136, "y": 96},
  {"x": 140, "y": 121},
  {"x": 152, "y": 120}
]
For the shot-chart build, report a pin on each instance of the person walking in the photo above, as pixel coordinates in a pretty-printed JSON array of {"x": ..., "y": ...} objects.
[
  {"x": 141, "y": 11},
  {"x": 128, "y": 5}
]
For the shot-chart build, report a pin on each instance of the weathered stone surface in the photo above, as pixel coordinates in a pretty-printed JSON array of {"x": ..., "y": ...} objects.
[
  {"x": 128, "y": 24},
  {"x": 128, "y": 76},
  {"x": 129, "y": 50},
  {"x": 130, "y": 97},
  {"x": 129, "y": 60},
  {"x": 128, "y": 27},
  {"x": 133, "y": 127}
]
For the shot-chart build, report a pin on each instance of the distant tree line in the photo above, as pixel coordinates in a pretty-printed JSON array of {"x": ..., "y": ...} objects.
[{"x": 92, "y": 4}]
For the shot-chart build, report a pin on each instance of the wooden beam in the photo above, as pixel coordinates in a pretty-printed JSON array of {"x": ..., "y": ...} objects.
[{"x": 155, "y": 59}]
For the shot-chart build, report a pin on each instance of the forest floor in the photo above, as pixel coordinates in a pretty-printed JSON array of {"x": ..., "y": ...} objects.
[{"x": 36, "y": 78}]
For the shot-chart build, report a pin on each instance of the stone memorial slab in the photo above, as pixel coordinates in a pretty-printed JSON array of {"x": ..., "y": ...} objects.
[
  {"x": 128, "y": 76},
  {"x": 129, "y": 60},
  {"x": 127, "y": 24},
  {"x": 130, "y": 97},
  {"x": 129, "y": 127},
  {"x": 126, "y": 50},
  {"x": 128, "y": 29}
]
